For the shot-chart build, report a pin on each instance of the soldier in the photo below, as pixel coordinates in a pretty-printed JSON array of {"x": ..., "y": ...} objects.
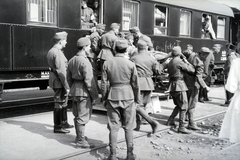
[
  {"x": 193, "y": 82},
  {"x": 120, "y": 97},
  {"x": 87, "y": 15},
  {"x": 146, "y": 67},
  {"x": 108, "y": 44},
  {"x": 58, "y": 82},
  {"x": 83, "y": 90},
  {"x": 231, "y": 55},
  {"x": 131, "y": 50},
  {"x": 138, "y": 35},
  {"x": 95, "y": 49},
  {"x": 177, "y": 87}
]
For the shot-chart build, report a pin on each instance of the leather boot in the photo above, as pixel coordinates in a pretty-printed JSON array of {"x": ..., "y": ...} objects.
[
  {"x": 138, "y": 123},
  {"x": 191, "y": 124},
  {"x": 80, "y": 139},
  {"x": 171, "y": 121},
  {"x": 182, "y": 128},
  {"x": 65, "y": 123},
  {"x": 129, "y": 141},
  {"x": 57, "y": 118},
  {"x": 154, "y": 124},
  {"x": 113, "y": 145}
]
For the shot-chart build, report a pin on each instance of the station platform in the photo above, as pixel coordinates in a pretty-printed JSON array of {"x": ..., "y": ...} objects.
[{"x": 31, "y": 137}]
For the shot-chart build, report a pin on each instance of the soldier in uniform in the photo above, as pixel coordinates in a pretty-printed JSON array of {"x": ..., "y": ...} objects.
[
  {"x": 138, "y": 35},
  {"x": 87, "y": 15},
  {"x": 108, "y": 44},
  {"x": 120, "y": 97},
  {"x": 58, "y": 82},
  {"x": 231, "y": 55},
  {"x": 193, "y": 82},
  {"x": 177, "y": 67},
  {"x": 146, "y": 67},
  {"x": 83, "y": 90}
]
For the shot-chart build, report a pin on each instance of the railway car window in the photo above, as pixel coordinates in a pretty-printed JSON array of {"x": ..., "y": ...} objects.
[
  {"x": 130, "y": 14},
  {"x": 42, "y": 12},
  {"x": 221, "y": 28},
  {"x": 207, "y": 29},
  {"x": 160, "y": 15},
  {"x": 185, "y": 23},
  {"x": 91, "y": 13}
]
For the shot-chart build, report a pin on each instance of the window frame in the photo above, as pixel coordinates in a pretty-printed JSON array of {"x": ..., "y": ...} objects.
[
  {"x": 166, "y": 21},
  {"x": 224, "y": 29},
  {"x": 137, "y": 15},
  {"x": 41, "y": 23},
  {"x": 190, "y": 24}
]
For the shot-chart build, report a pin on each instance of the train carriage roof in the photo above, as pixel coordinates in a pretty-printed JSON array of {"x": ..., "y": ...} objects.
[{"x": 201, "y": 5}]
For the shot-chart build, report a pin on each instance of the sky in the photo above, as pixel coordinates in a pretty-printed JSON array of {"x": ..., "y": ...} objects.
[{"x": 231, "y": 3}]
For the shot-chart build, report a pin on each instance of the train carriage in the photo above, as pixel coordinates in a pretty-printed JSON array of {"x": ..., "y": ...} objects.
[{"x": 27, "y": 28}]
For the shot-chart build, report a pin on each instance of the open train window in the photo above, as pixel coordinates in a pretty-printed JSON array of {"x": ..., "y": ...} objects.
[
  {"x": 42, "y": 12},
  {"x": 207, "y": 29},
  {"x": 221, "y": 28},
  {"x": 185, "y": 23},
  {"x": 130, "y": 14},
  {"x": 91, "y": 13},
  {"x": 160, "y": 20}
]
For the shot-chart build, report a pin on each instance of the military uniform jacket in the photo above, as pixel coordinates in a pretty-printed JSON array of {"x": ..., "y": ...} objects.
[
  {"x": 195, "y": 79},
  {"x": 95, "y": 47},
  {"x": 58, "y": 67},
  {"x": 176, "y": 70},
  {"x": 144, "y": 38},
  {"x": 146, "y": 67},
  {"x": 80, "y": 77},
  {"x": 123, "y": 80},
  {"x": 107, "y": 45}
]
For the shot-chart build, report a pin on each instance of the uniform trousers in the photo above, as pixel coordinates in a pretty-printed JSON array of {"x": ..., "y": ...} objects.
[
  {"x": 60, "y": 98},
  {"x": 82, "y": 109}
]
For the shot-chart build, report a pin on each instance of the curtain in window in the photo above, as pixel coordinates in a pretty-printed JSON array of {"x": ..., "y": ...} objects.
[
  {"x": 221, "y": 28},
  {"x": 130, "y": 14},
  {"x": 185, "y": 23}
]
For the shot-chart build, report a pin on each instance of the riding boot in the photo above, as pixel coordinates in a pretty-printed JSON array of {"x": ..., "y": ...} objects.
[
  {"x": 80, "y": 139},
  {"x": 57, "y": 118},
  {"x": 200, "y": 95},
  {"x": 191, "y": 124},
  {"x": 154, "y": 124},
  {"x": 129, "y": 141},
  {"x": 171, "y": 121},
  {"x": 182, "y": 128},
  {"x": 113, "y": 145},
  {"x": 65, "y": 123}
]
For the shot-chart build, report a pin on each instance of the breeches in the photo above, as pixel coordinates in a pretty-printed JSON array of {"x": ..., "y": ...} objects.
[
  {"x": 180, "y": 100},
  {"x": 192, "y": 95},
  {"x": 60, "y": 99},
  {"x": 121, "y": 117},
  {"x": 145, "y": 97},
  {"x": 82, "y": 109}
]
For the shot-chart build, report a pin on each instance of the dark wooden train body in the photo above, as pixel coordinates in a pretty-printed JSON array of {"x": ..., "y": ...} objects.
[{"x": 23, "y": 45}]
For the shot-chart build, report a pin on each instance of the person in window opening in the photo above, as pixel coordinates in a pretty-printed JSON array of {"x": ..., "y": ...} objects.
[
  {"x": 58, "y": 82},
  {"x": 83, "y": 90},
  {"x": 96, "y": 10},
  {"x": 138, "y": 35},
  {"x": 87, "y": 15},
  {"x": 207, "y": 30}
]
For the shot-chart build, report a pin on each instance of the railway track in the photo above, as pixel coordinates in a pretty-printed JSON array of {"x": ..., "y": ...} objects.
[{"x": 78, "y": 154}]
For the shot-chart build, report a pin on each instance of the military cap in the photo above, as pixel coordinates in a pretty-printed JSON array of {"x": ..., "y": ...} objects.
[
  {"x": 129, "y": 36},
  {"x": 205, "y": 50},
  {"x": 142, "y": 44},
  {"x": 84, "y": 41},
  {"x": 134, "y": 30},
  {"x": 121, "y": 43},
  {"x": 61, "y": 35},
  {"x": 176, "y": 51},
  {"x": 101, "y": 26},
  {"x": 115, "y": 25}
]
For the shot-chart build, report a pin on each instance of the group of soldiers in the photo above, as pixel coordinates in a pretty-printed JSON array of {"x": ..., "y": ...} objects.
[{"x": 127, "y": 67}]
